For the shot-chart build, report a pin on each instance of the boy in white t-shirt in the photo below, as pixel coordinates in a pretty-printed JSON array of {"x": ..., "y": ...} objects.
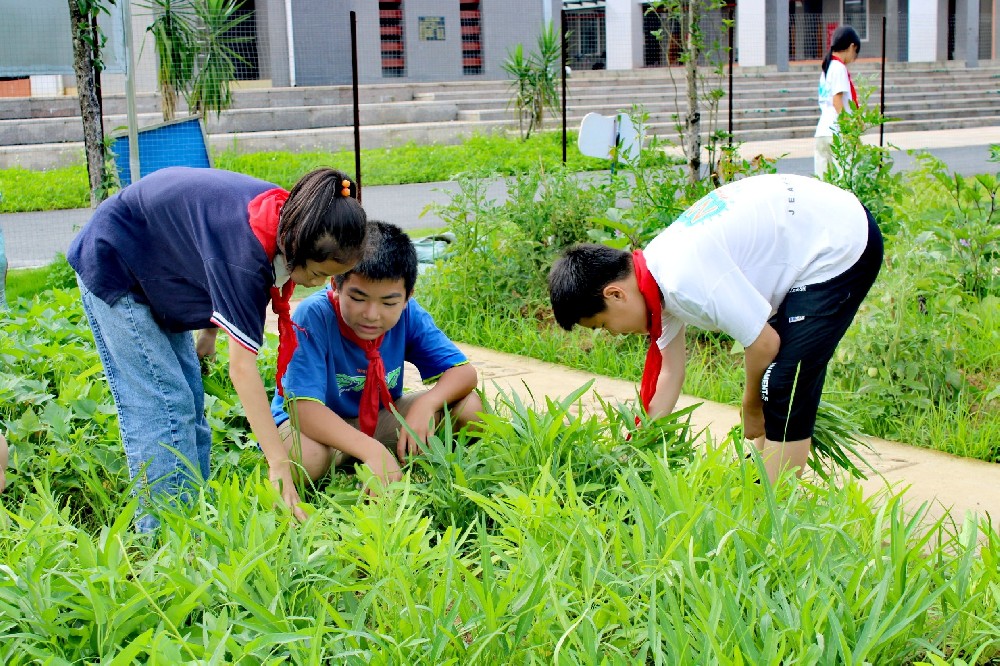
[
  {"x": 779, "y": 262},
  {"x": 836, "y": 92}
]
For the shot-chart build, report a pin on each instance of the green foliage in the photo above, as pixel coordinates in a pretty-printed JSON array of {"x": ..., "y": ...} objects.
[
  {"x": 682, "y": 33},
  {"x": 965, "y": 232},
  {"x": 534, "y": 78},
  {"x": 26, "y": 190},
  {"x": 864, "y": 169},
  {"x": 196, "y": 52},
  {"x": 216, "y": 55},
  {"x": 174, "y": 38},
  {"x": 549, "y": 538}
]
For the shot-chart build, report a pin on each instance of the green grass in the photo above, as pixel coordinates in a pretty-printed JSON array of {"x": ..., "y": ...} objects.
[
  {"x": 25, "y": 190},
  {"x": 26, "y": 282},
  {"x": 29, "y": 282},
  {"x": 551, "y": 538}
]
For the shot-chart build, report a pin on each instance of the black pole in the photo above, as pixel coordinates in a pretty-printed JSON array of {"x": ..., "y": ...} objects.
[
  {"x": 357, "y": 111},
  {"x": 881, "y": 103},
  {"x": 732, "y": 24},
  {"x": 562, "y": 50}
]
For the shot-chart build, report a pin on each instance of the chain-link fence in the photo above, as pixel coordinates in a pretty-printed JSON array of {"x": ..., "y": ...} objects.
[{"x": 254, "y": 75}]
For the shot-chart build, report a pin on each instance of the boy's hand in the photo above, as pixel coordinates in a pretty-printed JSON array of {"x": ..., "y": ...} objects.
[
  {"x": 753, "y": 418},
  {"x": 281, "y": 477},
  {"x": 383, "y": 465},
  {"x": 420, "y": 420}
]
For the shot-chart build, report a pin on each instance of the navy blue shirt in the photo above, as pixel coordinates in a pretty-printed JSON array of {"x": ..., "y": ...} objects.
[{"x": 180, "y": 241}]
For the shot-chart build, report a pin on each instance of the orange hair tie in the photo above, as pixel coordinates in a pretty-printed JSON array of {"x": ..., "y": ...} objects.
[{"x": 346, "y": 184}]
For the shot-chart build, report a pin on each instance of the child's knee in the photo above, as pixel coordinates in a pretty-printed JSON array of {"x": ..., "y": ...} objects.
[{"x": 469, "y": 410}]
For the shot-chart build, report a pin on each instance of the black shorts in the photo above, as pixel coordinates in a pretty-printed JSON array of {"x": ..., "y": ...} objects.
[{"x": 811, "y": 322}]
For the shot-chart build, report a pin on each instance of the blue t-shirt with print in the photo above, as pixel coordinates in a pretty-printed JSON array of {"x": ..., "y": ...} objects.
[{"x": 328, "y": 368}]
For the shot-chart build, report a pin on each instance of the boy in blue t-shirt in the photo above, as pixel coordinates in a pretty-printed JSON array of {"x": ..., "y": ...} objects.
[{"x": 346, "y": 377}]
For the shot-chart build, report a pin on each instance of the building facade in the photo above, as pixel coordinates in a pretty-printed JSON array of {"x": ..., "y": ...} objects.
[
  {"x": 292, "y": 42},
  {"x": 632, "y": 34}
]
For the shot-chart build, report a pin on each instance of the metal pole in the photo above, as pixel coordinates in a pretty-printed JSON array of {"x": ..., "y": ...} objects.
[
  {"x": 881, "y": 103},
  {"x": 732, "y": 25},
  {"x": 357, "y": 111},
  {"x": 562, "y": 50},
  {"x": 133, "y": 120}
]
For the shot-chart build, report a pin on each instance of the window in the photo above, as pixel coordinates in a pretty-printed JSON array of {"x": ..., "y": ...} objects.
[
  {"x": 472, "y": 46},
  {"x": 856, "y": 16},
  {"x": 390, "y": 15}
]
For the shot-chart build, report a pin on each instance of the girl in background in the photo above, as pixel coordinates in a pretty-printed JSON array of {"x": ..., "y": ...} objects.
[
  {"x": 836, "y": 91},
  {"x": 203, "y": 249}
]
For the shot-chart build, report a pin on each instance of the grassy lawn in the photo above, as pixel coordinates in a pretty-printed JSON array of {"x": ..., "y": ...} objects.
[{"x": 25, "y": 190}]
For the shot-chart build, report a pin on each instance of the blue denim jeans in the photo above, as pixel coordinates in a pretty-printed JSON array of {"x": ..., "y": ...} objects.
[{"x": 155, "y": 380}]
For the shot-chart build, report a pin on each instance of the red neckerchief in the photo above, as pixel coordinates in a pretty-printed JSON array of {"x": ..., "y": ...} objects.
[
  {"x": 854, "y": 91},
  {"x": 265, "y": 211},
  {"x": 654, "y": 358},
  {"x": 375, "y": 390}
]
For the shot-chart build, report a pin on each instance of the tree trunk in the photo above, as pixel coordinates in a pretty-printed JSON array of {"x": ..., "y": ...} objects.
[
  {"x": 90, "y": 106},
  {"x": 692, "y": 124}
]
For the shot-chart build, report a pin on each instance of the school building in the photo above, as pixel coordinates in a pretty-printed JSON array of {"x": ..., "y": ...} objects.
[
  {"x": 283, "y": 43},
  {"x": 622, "y": 34}
]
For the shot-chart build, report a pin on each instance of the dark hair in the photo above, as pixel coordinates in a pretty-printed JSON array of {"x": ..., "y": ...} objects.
[
  {"x": 319, "y": 222},
  {"x": 578, "y": 278},
  {"x": 842, "y": 38},
  {"x": 389, "y": 255}
]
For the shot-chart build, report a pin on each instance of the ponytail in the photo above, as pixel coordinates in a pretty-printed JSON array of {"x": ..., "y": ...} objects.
[
  {"x": 842, "y": 38},
  {"x": 322, "y": 220}
]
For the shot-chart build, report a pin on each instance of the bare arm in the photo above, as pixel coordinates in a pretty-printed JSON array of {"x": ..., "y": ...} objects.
[
  {"x": 453, "y": 385},
  {"x": 250, "y": 389},
  {"x": 838, "y": 102},
  {"x": 322, "y": 424},
  {"x": 757, "y": 357},
  {"x": 671, "y": 378}
]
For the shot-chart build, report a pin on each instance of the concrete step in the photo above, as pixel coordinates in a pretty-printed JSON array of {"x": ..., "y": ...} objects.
[
  {"x": 806, "y": 113},
  {"x": 284, "y": 118},
  {"x": 611, "y": 103},
  {"x": 342, "y": 138},
  {"x": 54, "y": 130}
]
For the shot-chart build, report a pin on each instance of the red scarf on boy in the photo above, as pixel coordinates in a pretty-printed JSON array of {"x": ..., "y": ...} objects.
[
  {"x": 654, "y": 358},
  {"x": 265, "y": 211},
  {"x": 376, "y": 390},
  {"x": 854, "y": 91}
]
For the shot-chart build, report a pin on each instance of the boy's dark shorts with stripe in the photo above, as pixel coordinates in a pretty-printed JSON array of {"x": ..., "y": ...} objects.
[{"x": 811, "y": 321}]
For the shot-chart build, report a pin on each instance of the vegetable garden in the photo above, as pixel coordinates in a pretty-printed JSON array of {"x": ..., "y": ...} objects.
[{"x": 553, "y": 537}]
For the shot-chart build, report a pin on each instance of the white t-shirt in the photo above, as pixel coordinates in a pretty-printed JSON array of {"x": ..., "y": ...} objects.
[
  {"x": 729, "y": 260},
  {"x": 836, "y": 80}
]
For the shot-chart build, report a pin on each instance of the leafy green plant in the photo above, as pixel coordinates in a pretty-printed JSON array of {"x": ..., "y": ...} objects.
[
  {"x": 683, "y": 33},
  {"x": 174, "y": 36},
  {"x": 534, "y": 78},
  {"x": 864, "y": 169},
  {"x": 195, "y": 47},
  {"x": 966, "y": 228}
]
